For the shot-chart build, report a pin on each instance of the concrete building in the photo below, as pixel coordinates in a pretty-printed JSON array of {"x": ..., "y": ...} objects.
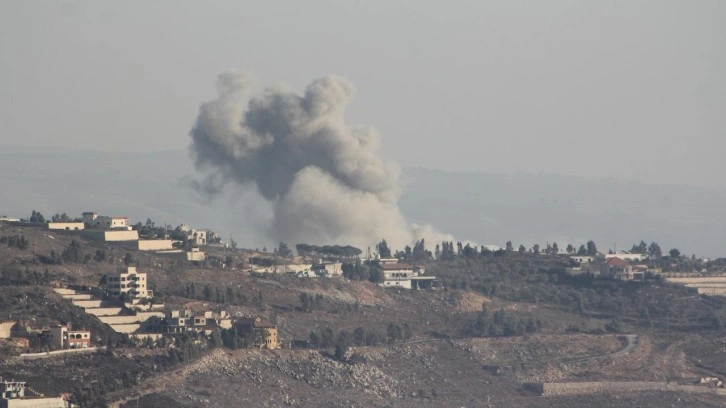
[
  {"x": 582, "y": 259},
  {"x": 617, "y": 268},
  {"x": 61, "y": 337},
  {"x": 264, "y": 332},
  {"x": 627, "y": 256},
  {"x": 16, "y": 394},
  {"x": 93, "y": 220},
  {"x": 112, "y": 235},
  {"x": 195, "y": 236},
  {"x": 185, "y": 320},
  {"x": 198, "y": 237},
  {"x": 403, "y": 275},
  {"x": 195, "y": 255},
  {"x": 67, "y": 226},
  {"x": 130, "y": 283},
  {"x": 327, "y": 269},
  {"x": 154, "y": 245},
  {"x": 6, "y": 328}
]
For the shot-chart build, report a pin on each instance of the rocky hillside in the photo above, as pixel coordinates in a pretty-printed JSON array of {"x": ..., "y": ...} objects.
[{"x": 431, "y": 348}]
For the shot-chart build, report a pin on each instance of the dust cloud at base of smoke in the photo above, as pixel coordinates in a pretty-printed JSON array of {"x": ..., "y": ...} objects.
[{"x": 323, "y": 177}]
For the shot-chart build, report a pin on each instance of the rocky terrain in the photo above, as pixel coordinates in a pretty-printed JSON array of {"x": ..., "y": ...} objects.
[{"x": 441, "y": 363}]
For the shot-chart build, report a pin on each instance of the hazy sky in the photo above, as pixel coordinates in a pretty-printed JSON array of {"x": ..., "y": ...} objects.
[{"x": 620, "y": 88}]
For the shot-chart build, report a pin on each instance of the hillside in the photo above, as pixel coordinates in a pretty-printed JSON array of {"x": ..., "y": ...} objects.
[{"x": 447, "y": 358}]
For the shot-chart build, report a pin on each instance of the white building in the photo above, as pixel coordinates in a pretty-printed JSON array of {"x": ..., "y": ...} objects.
[
  {"x": 93, "y": 220},
  {"x": 67, "y": 226},
  {"x": 154, "y": 245},
  {"x": 582, "y": 259},
  {"x": 129, "y": 282},
  {"x": 627, "y": 256},
  {"x": 403, "y": 275},
  {"x": 194, "y": 236}
]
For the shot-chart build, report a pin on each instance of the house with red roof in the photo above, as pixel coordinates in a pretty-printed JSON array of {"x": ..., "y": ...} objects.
[{"x": 617, "y": 268}]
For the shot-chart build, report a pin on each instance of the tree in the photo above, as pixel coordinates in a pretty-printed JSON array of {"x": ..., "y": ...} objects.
[
  {"x": 447, "y": 251},
  {"x": 509, "y": 246},
  {"x": 340, "y": 350},
  {"x": 591, "y": 248},
  {"x": 283, "y": 250},
  {"x": 376, "y": 275},
  {"x": 100, "y": 256},
  {"x": 393, "y": 333},
  {"x": 314, "y": 339},
  {"x": 306, "y": 302},
  {"x": 73, "y": 252},
  {"x": 535, "y": 249},
  {"x": 61, "y": 218},
  {"x": 129, "y": 259},
  {"x": 674, "y": 253},
  {"x": 570, "y": 249},
  {"x": 383, "y": 250},
  {"x": 419, "y": 251},
  {"x": 555, "y": 249},
  {"x": 327, "y": 339},
  {"x": 522, "y": 249},
  {"x": 641, "y": 248},
  {"x": 359, "y": 336},
  {"x": 37, "y": 217},
  {"x": 469, "y": 250},
  {"x": 582, "y": 250},
  {"x": 654, "y": 251}
]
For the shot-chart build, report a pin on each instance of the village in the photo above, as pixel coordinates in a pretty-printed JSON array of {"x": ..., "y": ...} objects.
[{"x": 124, "y": 301}]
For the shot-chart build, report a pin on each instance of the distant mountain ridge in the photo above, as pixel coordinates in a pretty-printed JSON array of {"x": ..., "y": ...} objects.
[{"x": 482, "y": 207}]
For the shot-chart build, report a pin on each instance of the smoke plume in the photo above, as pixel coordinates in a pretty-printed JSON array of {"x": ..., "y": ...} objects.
[{"x": 322, "y": 176}]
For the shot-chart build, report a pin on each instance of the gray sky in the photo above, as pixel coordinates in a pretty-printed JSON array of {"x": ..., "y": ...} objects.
[{"x": 608, "y": 89}]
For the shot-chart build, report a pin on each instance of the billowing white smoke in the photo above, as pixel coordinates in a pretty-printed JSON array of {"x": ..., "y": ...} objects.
[{"x": 323, "y": 177}]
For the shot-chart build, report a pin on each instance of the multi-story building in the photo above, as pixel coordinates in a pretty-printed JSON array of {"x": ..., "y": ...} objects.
[
  {"x": 194, "y": 236},
  {"x": 61, "y": 337},
  {"x": 130, "y": 283},
  {"x": 264, "y": 333},
  {"x": 185, "y": 320},
  {"x": 403, "y": 275}
]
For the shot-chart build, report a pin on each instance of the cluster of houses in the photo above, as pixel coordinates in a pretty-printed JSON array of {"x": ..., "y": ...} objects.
[
  {"x": 262, "y": 332},
  {"x": 131, "y": 285},
  {"x": 45, "y": 334},
  {"x": 396, "y": 274},
  {"x": 623, "y": 265},
  {"x": 119, "y": 230},
  {"x": 318, "y": 269}
]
